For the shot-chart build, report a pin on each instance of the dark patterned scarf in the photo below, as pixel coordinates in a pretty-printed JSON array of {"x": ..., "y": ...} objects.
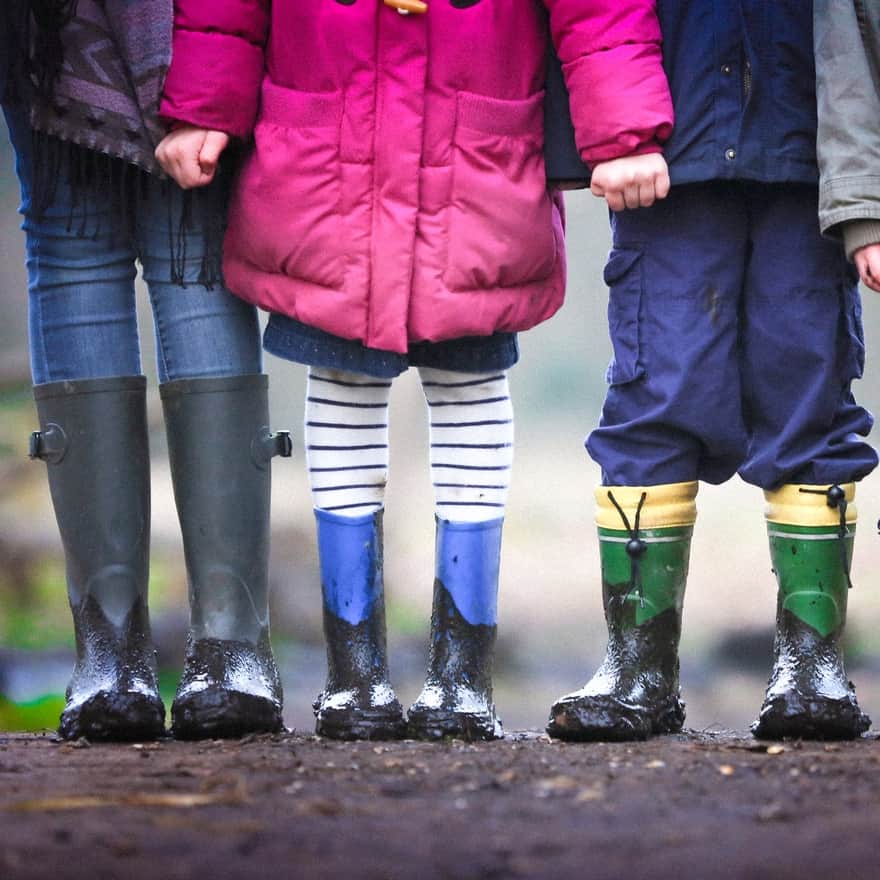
[
  {"x": 105, "y": 95},
  {"x": 93, "y": 79}
]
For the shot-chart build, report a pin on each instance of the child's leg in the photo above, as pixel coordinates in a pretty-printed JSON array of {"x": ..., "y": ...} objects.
[
  {"x": 346, "y": 435},
  {"x": 471, "y": 432},
  {"x": 672, "y": 416},
  {"x": 802, "y": 347}
]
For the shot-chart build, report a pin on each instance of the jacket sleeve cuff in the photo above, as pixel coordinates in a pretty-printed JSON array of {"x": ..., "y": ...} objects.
[
  {"x": 858, "y": 234},
  {"x": 620, "y": 103},
  {"x": 214, "y": 82}
]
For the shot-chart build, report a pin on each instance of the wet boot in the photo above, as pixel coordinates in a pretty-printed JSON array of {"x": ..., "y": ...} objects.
[
  {"x": 456, "y": 700},
  {"x": 93, "y": 438},
  {"x": 635, "y": 692},
  {"x": 811, "y": 531},
  {"x": 220, "y": 449},
  {"x": 358, "y": 701}
]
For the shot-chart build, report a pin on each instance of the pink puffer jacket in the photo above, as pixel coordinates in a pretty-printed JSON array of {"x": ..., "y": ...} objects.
[{"x": 395, "y": 191}]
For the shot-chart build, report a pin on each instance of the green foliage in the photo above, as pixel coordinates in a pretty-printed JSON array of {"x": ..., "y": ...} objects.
[{"x": 40, "y": 714}]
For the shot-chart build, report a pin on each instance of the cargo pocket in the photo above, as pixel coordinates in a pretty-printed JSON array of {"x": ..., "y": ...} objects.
[
  {"x": 623, "y": 275},
  {"x": 853, "y": 333},
  {"x": 500, "y": 214},
  {"x": 288, "y": 202}
]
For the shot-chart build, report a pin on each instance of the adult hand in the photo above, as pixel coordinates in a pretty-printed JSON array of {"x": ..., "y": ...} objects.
[
  {"x": 631, "y": 182},
  {"x": 190, "y": 154},
  {"x": 867, "y": 260}
]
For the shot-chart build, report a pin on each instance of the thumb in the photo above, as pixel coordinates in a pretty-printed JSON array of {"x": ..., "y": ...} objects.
[{"x": 214, "y": 144}]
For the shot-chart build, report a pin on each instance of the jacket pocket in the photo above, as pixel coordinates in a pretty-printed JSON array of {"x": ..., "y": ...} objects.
[
  {"x": 623, "y": 275},
  {"x": 500, "y": 222},
  {"x": 289, "y": 191}
]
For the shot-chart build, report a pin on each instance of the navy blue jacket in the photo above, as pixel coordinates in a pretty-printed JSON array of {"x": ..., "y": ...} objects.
[{"x": 742, "y": 77}]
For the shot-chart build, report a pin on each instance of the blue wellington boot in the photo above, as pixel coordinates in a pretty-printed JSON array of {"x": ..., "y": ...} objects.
[
  {"x": 358, "y": 701},
  {"x": 456, "y": 700}
]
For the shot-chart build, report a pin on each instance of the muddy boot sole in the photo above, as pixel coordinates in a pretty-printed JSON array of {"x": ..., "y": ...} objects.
[
  {"x": 217, "y": 713},
  {"x": 797, "y": 716},
  {"x": 438, "y": 724},
  {"x": 115, "y": 717},
  {"x": 607, "y": 719},
  {"x": 360, "y": 724}
]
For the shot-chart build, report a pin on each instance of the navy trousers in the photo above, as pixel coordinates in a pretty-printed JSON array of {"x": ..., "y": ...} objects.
[{"x": 737, "y": 333}]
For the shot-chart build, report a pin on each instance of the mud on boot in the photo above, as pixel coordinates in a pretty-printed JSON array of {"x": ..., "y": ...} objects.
[
  {"x": 456, "y": 700},
  {"x": 228, "y": 689},
  {"x": 635, "y": 692},
  {"x": 113, "y": 693},
  {"x": 358, "y": 701},
  {"x": 93, "y": 438},
  {"x": 811, "y": 531}
]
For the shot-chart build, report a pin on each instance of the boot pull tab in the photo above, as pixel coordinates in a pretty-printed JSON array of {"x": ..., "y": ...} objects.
[
  {"x": 635, "y": 546},
  {"x": 48, "y": 445},
  {"x": 835, "y": 498},
  {"x": 267, "y": 445}
]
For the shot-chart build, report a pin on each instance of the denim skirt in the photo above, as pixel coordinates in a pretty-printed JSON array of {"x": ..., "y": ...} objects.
[{"x": 294, "y": 341}]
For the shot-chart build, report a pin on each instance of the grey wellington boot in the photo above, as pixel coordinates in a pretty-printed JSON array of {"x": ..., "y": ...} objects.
[
  {"x": 220, "y": 448},
  {"x": 93, "y": 438}
]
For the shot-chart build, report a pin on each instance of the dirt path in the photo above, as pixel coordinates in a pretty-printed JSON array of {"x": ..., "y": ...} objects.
[{"x": 695, "y": 805}]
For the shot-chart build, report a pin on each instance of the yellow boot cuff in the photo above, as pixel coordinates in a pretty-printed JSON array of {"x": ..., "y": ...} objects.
[
  {"x": 673, "y": 504},
  {"x": 791, "y": 506}
]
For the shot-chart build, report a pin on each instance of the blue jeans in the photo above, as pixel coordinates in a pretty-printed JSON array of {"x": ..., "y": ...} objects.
[
  {"x": 737, "y": 335},
  {"x": 81, "y": 271}
]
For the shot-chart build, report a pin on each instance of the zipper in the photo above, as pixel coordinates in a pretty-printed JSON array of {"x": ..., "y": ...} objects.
[{"x": 747, "y": 80}]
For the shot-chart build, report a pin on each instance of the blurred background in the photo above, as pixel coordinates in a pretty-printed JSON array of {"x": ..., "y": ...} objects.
[{"x": 551, "y": 631}]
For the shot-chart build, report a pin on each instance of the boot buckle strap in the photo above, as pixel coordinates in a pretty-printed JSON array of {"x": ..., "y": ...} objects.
[
  {"x": 48, "y": 445},
  {"x": 267, "y": 445}
]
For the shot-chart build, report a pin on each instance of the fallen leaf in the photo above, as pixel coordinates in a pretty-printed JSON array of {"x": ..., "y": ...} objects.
[
  {"x": 775, "y": 750},
  {"x": 726, "y": 769}
]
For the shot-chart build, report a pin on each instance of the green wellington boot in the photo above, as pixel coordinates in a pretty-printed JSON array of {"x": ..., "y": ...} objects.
[
  {"x": 220, "y": 448},
  {"x": 635, "y": 692},
  {"x": 811, "y": 531},
  {"x": 93, "y": 438}
]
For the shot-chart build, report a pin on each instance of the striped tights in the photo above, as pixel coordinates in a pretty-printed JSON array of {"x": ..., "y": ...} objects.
[{"x": 471, "y": 438}]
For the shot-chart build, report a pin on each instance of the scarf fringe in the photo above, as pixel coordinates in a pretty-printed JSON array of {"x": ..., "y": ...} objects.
[{"x": 96, "y": 178}]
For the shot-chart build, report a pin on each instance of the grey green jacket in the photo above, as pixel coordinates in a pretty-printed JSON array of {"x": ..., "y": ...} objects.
[{"x": 847, "y": 43}]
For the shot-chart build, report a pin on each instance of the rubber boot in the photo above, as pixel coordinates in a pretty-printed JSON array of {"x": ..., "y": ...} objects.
[
  {"x": 456, "y": 700},
  {"x": 811, "y": 531},
  {"x": 635, "y": 692},
  {"x": 93, "y": 438},
  {"x": 358, "y": 701},
  {"x": 220, "y": 449}
]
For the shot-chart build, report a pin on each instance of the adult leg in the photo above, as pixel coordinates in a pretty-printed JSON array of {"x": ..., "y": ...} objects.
[
  {"x": 215, "y": 402},
  {"x": 471, "y": 431},
  {"x": 93, "y": 437},
  {"x": 802, "y": 348},
  {"x": 346, "y": 430},
  {"x": 671, "y": 417}
]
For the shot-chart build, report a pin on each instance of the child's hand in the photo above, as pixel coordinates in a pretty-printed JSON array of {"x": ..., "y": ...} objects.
[
  {"x": 631, "y": 182},
  {"x": 867, "y": 260},
  {"x": 190, "y": 154}
]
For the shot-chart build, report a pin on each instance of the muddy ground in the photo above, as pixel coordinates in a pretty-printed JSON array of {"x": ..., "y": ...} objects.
[{"x": 696, "y": 805}]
